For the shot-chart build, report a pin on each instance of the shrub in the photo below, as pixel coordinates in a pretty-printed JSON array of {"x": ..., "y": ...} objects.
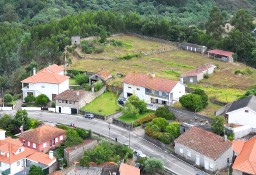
[
  {"x": 145, "y": 119},
  {"x": 130, "y": 56},
  {"x": 42, "y": 100},
  {"x": 73, "y": 73},
  {"x": 98, "y": 85},
  {"x": 192, "y": 102},
  {"x": 61, "y": 126},
  {"x": 206, "y": 76},
  {"x": 174, "y": 129},
  {"x": 129, "y": 109},
  {"x": 72, "y": 138},
  {"x": 8, "y": 98},
  {"x": 166, "y": 137},
  {"x": 164, "y": 112},
  {"x": 87, "y": 87},
  {"x": 30, "y": 99},
  {"x": 98, "y": 50},
  {"x": 82, "y": 133},
  {"x": 82, "y": 78},
  {"x": 203, "y": 96},
  {"x": 217, "y": 125},
  {"x": 137, "y": 103},
  {"x": 53, "y": 105},
  {"x": 153, "y": 166}
]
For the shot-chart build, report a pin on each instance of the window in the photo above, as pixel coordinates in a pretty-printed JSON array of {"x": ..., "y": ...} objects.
[
  {"x": 34, "y": 145},
  {"x": 246, "y": 110},
  {"x": 138, "y": 89},
  {"x": 181, "y": 150},
  {"x": 129, "y": 87},
  {"x": 56, "y": 140},
  {"x": 160, "y": 93},
  {"x": 19, "y": 149},
  {"x": 0, "y": 164},
  {"x": 63, "y": 101},
  {"x": 148, "y": 90},
  {"x": 61, "y": 137},
  {"x": 70, "y": 102},
  {"x": 157, "y": 92},
  {"x": 59, "y": 101},
  {"x": 42, "y": 86},
  {"x": 28, "y": 143},
  {"x": 44, "y": 145},
  {"x": 191, "y": 80},
  {"x": 74, "y": 102},
  {"x": 189, "y": 154},
  {"x": 211, "y": 165},
  {"x": 18, "y": 163},
  {"x": 66, "y": 101}
]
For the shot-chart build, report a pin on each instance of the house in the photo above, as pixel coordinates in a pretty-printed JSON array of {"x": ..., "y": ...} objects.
[
  {"x": 71, "y": 101},
  {"x": 50, "y": 81},
  {"x": 102, "y": 75},
  {"x": 16, "y": 158},
  {"x": 43, "y": 138},
  {"x": 75, "y": 40},
  {"x": 204, "y": 149},
  {"x": 245, "y": 162},
  {"x": 221, "y": 55},
  {"x": 193, "y": 47},
  {"x": 152, "y": 89},
  {"x": 194, "y": 76},
  {"x": 126, "y": 169}
]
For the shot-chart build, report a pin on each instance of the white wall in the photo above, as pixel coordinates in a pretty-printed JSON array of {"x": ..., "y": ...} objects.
[
  {"x": 242, "y": 131},
  {"x": 4, "y": 166},
  {"x": 243, "y": 118},
  {"x": 178, "y": 91},
  {"x": 64, "y": 110},
  {"x": 15, "y": 168},
  {"x": 63, "y": 86}
]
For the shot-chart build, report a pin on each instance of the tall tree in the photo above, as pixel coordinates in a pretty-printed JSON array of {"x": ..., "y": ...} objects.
[
  {"x": 242, "y": 21},
  {"x": 215, "y": 23},
  {"x": 217, "y": 125},
  {"x": 35, "y": 170}
]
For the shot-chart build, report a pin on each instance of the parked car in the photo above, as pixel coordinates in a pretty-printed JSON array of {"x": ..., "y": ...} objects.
[
  {"x": 121, "y": 101},
  {"x": 89, "y": 116},
  {"x": 201, "y": 173},
  {"x": 139, "y": 154}
]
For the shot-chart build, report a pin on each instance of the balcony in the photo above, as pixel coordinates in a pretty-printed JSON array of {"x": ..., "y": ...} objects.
[{"x": 157, "y": 95}]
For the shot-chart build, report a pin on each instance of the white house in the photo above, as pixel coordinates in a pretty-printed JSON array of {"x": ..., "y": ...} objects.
[
  {"x": 242, "y": 112},
  {"x": 152, "y": 89},
  {"x": 15, "y": 158},
  {"x": 50, "y": 81}
]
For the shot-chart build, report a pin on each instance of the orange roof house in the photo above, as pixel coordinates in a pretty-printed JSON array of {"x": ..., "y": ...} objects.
[
  {"x": 245, "y": 162},
  {"x": 42, "y": 138},
  {"x": 55, "y": 69},
  {"x": 221, "y": 55},
  {"x": 12, "y": 152},
  {"x": 103, "y": 75},
  {"x": 126, "y": 169}
]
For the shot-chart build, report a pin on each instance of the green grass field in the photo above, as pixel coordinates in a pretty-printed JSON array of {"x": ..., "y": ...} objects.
[
  {"x": 105, "y": 104},
  {"x": 128, "y": 119},
  {"x": 72, "y": 81}
]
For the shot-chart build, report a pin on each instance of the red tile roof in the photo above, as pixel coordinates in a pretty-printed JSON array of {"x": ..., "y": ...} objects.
[
  {"x": 238, "y": 145},
  {"x": 148, "y": 81},
  {"x": 221, "y": 52},
  {"x": 104, "y": 74},
  {"x": 246, "y": 160},
  {"x": 71, "y": 95},
  {"x": 42, "y": 134},
  {"x": 126, "y": 169},
  {"x": 198, "y": 70},
  {"x": 204, "y": 142},
  {"x": 54, "y": 68},
  {"x": 41, "y": 158},
  {"x": 45, "y": 76}
]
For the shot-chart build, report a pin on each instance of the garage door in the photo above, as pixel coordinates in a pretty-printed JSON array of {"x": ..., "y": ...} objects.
[{"x": 73, "y": 111}]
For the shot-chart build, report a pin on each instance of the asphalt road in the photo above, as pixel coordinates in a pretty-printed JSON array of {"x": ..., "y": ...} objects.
[{"x": 137, "y": 141}]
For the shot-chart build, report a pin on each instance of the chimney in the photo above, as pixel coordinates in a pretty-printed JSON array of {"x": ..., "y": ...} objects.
[
  {"x": 8, "y": 154},
  {"x": 225, "y": 138},
  {"x": 181, "y": 80},
  {"x": 77, "y": 93},
  {"x": 34, "y": 70},
  {"x": 197, "y": 70},
  {"x": 2, "y": 134},
  {"x": 51, "y": 154}
]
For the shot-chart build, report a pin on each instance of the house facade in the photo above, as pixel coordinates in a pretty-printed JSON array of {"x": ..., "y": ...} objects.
[
  {"x": 50, "y": 81},
  {"x": 42, "y": 138},
  {"x": 221, "y": 55},
  {"x": 71, "y": 101},
  {"x": 102, "y": 75},
  {"x": 151, "y": 89},
  {"x": 16, "y": 158},
  {"x": 193, "y": 47},
  {"x": 194, "y": 76},
  {"x": 204, "y": 149}
]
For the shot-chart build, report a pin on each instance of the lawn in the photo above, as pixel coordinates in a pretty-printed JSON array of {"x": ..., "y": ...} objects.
[
  {"x": 105, "y": 104},
  {"x": 72, "y": 81},
  {"x": 128, "y": 119}
]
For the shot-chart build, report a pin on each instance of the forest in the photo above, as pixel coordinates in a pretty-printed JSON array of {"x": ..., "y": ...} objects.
[{"x": 35, "y": 32}]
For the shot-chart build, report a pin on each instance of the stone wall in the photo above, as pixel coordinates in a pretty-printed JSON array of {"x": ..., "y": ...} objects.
[{"x": 122, "y": 124}]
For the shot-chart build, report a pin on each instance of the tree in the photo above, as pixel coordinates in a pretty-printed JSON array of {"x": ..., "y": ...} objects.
[
  {"x": 21, "y": 119},
  {"x": 164, "y": 112},
  {"x": 42, "y": 100},
  {"x": 215, "y": 23},
  {"x": 192, "y": 102},
  {"x": 103, "y": 36},
  {"x": 72, "y": 138},
  {"x": 7, "y": 123},
  {"x": 243, "y": 21},
  {"x": 130, "y": 110},
  {"x": 35, "y": 170},
  {"x": 217, "y": 125},
  {"x": 160, "y": 122},
  {"x": 82, "y": 78},
  {"x": 153, "y": 165},
  {"x": 9, "y": 12},
  {"x": 174, "y": 129},
  {"x": 8, "y": 98},
  {"x": 30, "y": 98},
  {"x": 137, "y": 103},
  {"x": 203, "y": 95},
  {"x": 83, "y": 133}
]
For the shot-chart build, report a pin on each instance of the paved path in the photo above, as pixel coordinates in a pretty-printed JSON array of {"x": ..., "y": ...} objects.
[{"x": 137, "y": 141}]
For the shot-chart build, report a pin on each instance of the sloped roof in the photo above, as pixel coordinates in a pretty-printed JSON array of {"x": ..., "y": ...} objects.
[
  {"x": 54, "y": 68},
  {"x": 126, "y": 169},
  {"x": 104, "y": 74},
  {"x": 238, "y": 146},
  {"x": 42, "y": 134},
  {"x": 71, "y": 95},
  {"x": 45, "y": 76},
  {"x": 41, "y": 158},
  {"x": 245, "y": 102},
  {"x": 204, "y": 142},
  {"x": 148, "y": 81},
  {"x": 221, "y": 52},
  {"x": 246, "y": 160},
  {"x": 198, "y": 70}
]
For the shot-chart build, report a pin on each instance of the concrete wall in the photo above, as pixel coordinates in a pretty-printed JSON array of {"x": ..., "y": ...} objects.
[
  {"x": 243, "y": 118},
  {"x": 236, "y": 172},
  {"x": 31, "y": 108},
  {"x": 77, "y": 154},
  {"x": 222, "y": 160},
  {"x": 242, "y": 131},
  {"x": 15, "y": 167},
  {"x": 178, "y": 91},
  {"x": 189, "y": 79},
  {"x": 6, "y": 108}
]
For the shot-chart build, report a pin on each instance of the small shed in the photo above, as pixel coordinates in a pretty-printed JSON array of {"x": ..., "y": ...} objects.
[
  {"x": 102, "y": 75},
  {"x": 221, "y": 55},
  {"x": 75, "y": 40},
  {"x": 193, "y": 47}
]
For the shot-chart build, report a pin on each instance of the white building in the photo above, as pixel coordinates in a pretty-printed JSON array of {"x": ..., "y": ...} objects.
[
  {"x": 50, "y": 81},
  {"x": 152, "y": 89}
]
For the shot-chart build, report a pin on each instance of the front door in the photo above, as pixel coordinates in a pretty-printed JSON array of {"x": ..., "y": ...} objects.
[
  {"x": 197, "y": 160},
  {"x": 59, "y": 109}
]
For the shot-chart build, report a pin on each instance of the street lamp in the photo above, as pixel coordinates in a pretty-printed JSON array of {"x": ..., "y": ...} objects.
[
  {"x": 130, "y": 127},
  {"x": 109, "y": 126}
]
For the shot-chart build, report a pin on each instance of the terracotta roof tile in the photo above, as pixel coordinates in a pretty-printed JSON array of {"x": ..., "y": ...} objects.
[
  {"x": 41, "y": 158},
  {"x": 198, "y": 70},
  {"x": 238, "y": 145},
  {"x": 54, "y": 68},
  {"x": 71, "y": 95},
  {"x": 246, "y": 160},
  {"x": 42, "y": 134},
  {"x": 45, "y": 76},
  {"x": 221, "y": 52},
  {"x": 104, "y": 74},
  {"x": 126, "y": 169},
  {"x": 147, "y": 81},
  {"x": 204, "y": 142}
]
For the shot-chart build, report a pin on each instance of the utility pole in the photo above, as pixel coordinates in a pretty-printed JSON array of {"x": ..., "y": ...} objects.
[
  {"x": 3, "y": 95},
  {"x": 109, "y": 130}
]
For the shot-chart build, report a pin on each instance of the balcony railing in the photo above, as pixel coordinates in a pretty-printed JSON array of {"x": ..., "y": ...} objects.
[{"x": 156, "y": 95}]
